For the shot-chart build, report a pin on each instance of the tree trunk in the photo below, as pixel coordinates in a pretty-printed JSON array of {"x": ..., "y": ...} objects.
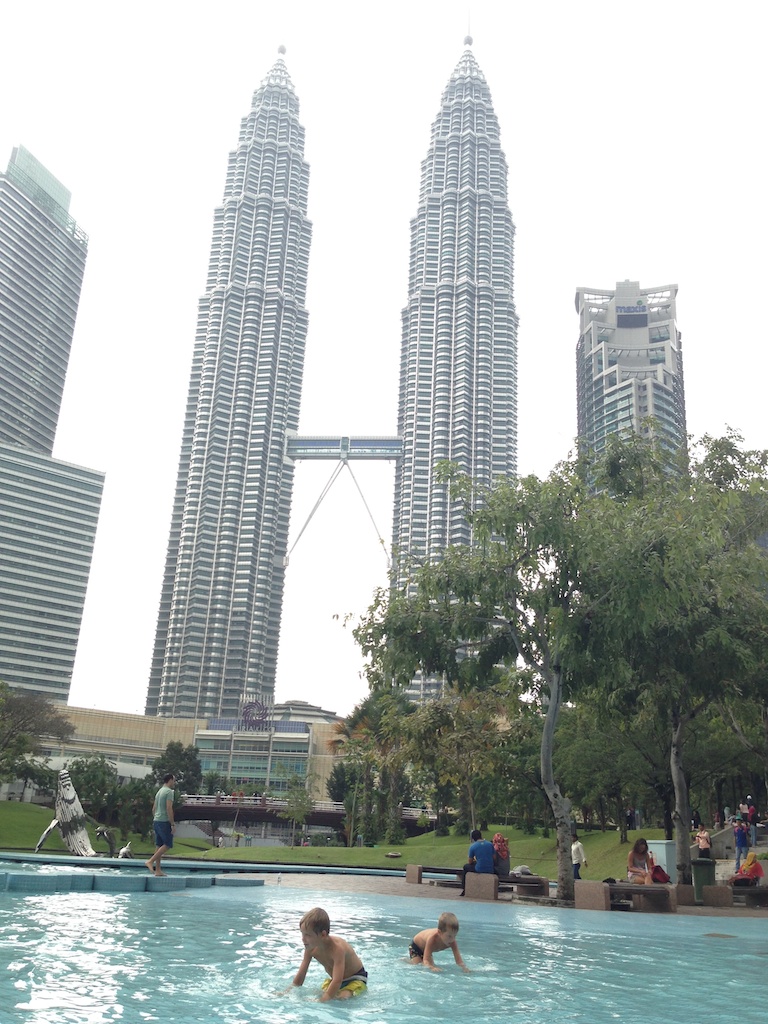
[
  {"x": 682, "y": 812},
  {"x": 602, "y": 815},
  {"x": 561, "y": 806},
  {"x": 351, "y": 816},
  {"x": 471, "y": 805},
  {"x": 621, "y": 817}
]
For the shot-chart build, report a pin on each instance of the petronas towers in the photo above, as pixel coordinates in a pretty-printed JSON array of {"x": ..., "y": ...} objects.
[
  {"x": 219, "y": 620},
  {"x": 458, "y": 364},
  {"x": 220, "y": 606}
]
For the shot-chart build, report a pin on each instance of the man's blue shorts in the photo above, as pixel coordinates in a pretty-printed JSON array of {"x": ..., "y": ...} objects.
[{"x": 163, "y": 834}]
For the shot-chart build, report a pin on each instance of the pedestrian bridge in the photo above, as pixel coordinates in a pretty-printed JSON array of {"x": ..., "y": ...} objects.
[
  {"x": 344, "y": 448},
  {"x": 252, "y": 809}
]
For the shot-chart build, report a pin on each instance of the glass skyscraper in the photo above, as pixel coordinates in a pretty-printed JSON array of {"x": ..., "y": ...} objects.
[
  {"x": 219, "y": 619},
  {"x": 48, "y": 509},
  {"x": 218, "y": 627},
  {"x": 42, "y": 262},
  {"x": 458, "y": 365},
  {"x": 629, "y": 365}
]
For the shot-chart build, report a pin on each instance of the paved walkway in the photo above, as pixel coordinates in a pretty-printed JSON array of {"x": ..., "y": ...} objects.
[{"x": 388, "y": 886}]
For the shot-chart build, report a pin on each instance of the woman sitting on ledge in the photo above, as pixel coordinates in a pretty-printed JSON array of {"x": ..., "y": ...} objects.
[
  {"x": 640, "y": 863},
  {"x": 500, "y": 855},
  {"x": 750, "y": 872}
]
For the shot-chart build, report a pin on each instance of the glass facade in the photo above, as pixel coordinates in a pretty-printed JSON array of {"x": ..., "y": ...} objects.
[
  {"x": 629, "y": 365},
  {"x": 219, "y": 620},
  {"x": 458, "y": 370},
  {"x": 42, "y": 262},
  {"x": 48, "y": 509}
]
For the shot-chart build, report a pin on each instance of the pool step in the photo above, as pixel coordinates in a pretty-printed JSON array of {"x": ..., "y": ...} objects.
[
  {"x": 40, "y": 883},
  {"x": 243, "y": 879}
]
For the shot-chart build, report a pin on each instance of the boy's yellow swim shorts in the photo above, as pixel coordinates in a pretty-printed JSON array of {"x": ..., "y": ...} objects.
[{"x": 356, "y": 986}]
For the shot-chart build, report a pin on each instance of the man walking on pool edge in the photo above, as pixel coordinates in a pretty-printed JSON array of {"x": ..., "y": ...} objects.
[{"x": 162, "y": 815}]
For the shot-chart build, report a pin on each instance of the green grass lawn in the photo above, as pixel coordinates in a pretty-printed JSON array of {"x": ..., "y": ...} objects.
[{"x": 21, "y": 826}]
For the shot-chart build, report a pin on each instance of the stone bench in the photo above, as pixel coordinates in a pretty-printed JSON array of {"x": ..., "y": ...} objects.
[
  {"x": 481, "y": 886},
  {"x": 487, "y": 887},
  {"x": 526, "y": 885},
  {"x": 717, "y": 895},
  {"x": 755, "y": 896},
  {"x": 603, "y": 895},
  {"x": 414, "y": 873}
]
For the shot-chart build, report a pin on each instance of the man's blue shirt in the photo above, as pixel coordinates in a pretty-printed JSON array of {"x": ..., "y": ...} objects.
[{"x": 482, "y": 851}]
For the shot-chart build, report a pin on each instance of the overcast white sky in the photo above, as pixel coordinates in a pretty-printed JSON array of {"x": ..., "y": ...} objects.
[{"x": 635, "y": 136}]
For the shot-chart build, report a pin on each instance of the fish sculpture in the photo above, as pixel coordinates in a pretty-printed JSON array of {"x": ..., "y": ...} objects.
[{"x": 70, "y": 820}]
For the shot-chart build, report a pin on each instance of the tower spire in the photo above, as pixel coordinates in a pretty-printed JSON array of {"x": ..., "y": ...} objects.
[
  {"x": 220, "y": 608},
  {"x": 458, "y": 384}
]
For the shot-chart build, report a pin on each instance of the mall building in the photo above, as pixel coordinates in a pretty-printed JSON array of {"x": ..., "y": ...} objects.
[{"x": 261, "y": 750}]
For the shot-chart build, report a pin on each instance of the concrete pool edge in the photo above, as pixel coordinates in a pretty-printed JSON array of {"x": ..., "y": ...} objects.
[
  {"x": 181, "y": 864},
  {"x": 385, "y": 882}
]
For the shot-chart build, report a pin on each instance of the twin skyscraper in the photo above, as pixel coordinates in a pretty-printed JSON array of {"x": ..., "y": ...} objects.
[
  {"x": 219, "y": 621},
  {"x": 218, "y": 628}
]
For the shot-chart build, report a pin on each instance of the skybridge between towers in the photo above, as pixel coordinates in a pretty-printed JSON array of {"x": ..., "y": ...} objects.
[
  {"x": 342, "y": 451},
  {"x": 344, "y": 448}
]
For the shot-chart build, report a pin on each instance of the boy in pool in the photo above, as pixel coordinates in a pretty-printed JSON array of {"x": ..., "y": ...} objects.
[
  {"x": 433, "y": 940},
  {"x": 348, "y": 977}
]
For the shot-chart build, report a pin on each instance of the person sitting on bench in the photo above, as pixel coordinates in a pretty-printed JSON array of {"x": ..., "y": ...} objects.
[
  {"x": 750, "y": 872},
  {"x": 640, "y": 864},
  {"x": 481, "y": 854},
  {"x": 500, "y": 855}
]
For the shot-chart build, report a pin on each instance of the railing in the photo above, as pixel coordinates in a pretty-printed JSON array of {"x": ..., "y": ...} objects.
[
  {"x": 268, "y": 802},
  {"x": 276, "y": 804}
]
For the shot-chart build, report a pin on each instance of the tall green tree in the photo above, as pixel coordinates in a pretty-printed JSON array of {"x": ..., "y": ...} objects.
[
  {"x": 25, "y": 718},
  {"x": 338, "y": 783},
  {"x": 134, "y": 812},
  {"x": 372, "y": 741},
  {"x": 216, "y": 782},
  {"x": 688, "y": 567},
  {"x": 184, "y": 763},
  {"x": 517, "y": 595},
  {"x": 646, "y": 586},
  {"x": 747, "y": 720},
  {"x": 353, "y": 740},
  {"x": 460, "y": 737},
  {"x": 298, "y": 804},
  {"x": 598, "y": 766},
  {"x": 95, "y": 780}
]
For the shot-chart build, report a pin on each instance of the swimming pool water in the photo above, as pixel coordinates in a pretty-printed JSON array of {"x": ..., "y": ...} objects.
[{"x": 229, "y": 956}]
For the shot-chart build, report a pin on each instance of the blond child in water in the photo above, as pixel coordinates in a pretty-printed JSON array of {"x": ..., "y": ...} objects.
[
  {"x": 434, "y": 940},
  {"x": 347, "y": 976}
]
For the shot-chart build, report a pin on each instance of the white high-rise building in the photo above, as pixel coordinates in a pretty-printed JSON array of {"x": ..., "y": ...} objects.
[
  {"x": 458, "y": 368},
  {"x": 219, "y": 620},
  {"x": 48, "y": 509},
  {"x": 629, "y": 365}
]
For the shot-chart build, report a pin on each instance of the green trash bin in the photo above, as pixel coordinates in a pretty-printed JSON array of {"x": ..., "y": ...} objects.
[{"x": 703, "y": 871}]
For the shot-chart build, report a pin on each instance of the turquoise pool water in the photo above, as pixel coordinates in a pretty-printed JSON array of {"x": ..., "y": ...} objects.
[{"x": 227, "y": 955}]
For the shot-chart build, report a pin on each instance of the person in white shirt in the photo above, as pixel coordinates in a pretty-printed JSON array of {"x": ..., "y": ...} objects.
[{"x": 578, "y": 856}]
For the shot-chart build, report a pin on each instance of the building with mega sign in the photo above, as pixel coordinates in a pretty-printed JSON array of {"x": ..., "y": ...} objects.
[{"x": 629, "y": 365}]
